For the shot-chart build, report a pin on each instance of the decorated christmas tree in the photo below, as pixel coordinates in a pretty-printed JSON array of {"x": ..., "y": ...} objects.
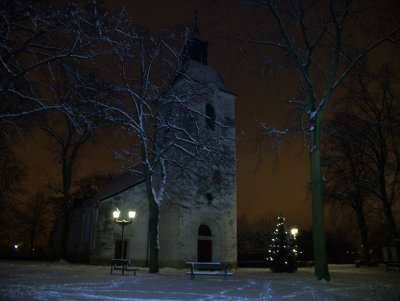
[{"x": 282, "y": 251}]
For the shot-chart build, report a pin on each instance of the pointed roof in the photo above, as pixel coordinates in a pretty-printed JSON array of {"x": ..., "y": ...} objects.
[
  {"x": 194, "y": 65},
  {"x": 196, "y": 32},
  {"x": 201, "y": 73},
  {"x": 196, "y": 46}
]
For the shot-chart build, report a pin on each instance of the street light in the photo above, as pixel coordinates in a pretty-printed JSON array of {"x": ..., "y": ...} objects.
[
  {"x": 123, "y": 223},
  {"x": 294, "y": 232}
]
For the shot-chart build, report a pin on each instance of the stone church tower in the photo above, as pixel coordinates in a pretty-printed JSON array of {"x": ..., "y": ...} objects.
[
  {"x": 198, "y": 218},
  {"x": 199, "y": 223}
]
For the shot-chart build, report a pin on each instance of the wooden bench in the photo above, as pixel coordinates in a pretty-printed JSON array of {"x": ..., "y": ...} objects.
[
  {"x": 363, "y": 263},
  {"x": 392, "y": 266},
  {"x": 391, "y": 259},
  {"x": 122, "y": 264},
  {"x": 208, "y": 268}
]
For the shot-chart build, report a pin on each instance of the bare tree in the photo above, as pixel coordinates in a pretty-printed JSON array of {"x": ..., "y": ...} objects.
[
  {"x": 86, "y": 188},
  {"x": 373, "y": 135},
  {"x": 244, "y": 238},
  {"x": 253, "y": 237},
  {"x": 33, "y": 220},
  {"x": 346, "y": 171},
  {"x": 324, "y": 41},
  {"x": 12, "y": 174},
  {"x": 69, "y": 140},
  {"x": 70, "y": 131},
  {"x": 36, "y": 40}
]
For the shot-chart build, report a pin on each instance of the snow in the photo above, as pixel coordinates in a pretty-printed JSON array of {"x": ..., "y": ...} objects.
[{"x": 28, "y": 280}]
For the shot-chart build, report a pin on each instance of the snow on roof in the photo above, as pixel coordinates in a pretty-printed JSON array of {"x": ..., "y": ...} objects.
[
  {"x": 119, "y": 184},
  {"x": 201, "y": 73},
  {"x": 196, "y": 35}
]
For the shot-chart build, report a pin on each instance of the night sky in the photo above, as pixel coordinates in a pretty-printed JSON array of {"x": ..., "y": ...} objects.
[
  {"x": 261, "y": 190},
  {"x": 264, "y": 190}
]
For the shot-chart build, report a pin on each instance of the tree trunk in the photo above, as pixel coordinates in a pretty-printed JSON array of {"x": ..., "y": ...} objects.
[
  {"x": 154, "y": 215},
  {"x": 64, "y": 232},
  {"x": 383, "y": 186},
  {"x": 387, "y": 208},
  {"x": 390, "y": 222},
  {"x": 33, "y": 230},
  {"x": 362, "y": 226},
  {"x": 320, "y": 257},
  {"x": 153, "y": 237},
  {"x": 67, "y": 176}
]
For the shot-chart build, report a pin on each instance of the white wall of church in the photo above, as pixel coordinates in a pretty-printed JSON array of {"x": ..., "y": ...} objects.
[
  {"x": 169, "y": 229},
  {"x": 108, "y": 232},
  {"x": 193, "y": 208}
]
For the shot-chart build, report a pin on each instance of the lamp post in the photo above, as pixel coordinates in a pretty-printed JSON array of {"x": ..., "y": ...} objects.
[
  {"x": 123, "y": 223},
  {"x": 294, "y": 231}
]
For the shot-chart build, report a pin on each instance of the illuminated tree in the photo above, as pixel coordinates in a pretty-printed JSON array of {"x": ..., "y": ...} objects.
[{"x": 282, "y": 251}]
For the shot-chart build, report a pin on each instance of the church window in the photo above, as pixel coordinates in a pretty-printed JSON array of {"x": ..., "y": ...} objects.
[
  {"x": 204, "y": 230},
  {"x": 210, "y": 117},
  {"x": 209, "y": 197}
]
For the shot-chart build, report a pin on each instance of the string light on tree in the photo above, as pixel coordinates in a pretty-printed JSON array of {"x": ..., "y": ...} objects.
[{"x": 282, "y": 251}]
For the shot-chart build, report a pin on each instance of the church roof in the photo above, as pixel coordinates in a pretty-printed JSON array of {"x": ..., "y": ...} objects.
[
  {"x": 196, "y": 35},
  {"x": 201, "y": 73},
  {"x": 119, "y": 184}
]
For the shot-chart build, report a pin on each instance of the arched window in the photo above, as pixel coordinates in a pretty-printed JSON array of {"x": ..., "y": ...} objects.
[
  {"x": 209, "y": 197},
  {"x": 210, "y": 117},
  {"x": 204, "y": 230}
]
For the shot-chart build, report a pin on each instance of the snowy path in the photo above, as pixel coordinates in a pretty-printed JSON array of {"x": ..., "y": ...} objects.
[{"x": 60, "y": 281}]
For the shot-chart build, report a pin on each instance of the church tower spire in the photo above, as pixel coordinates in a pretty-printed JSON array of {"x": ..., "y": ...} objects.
[{"x": 197, "y": 45}]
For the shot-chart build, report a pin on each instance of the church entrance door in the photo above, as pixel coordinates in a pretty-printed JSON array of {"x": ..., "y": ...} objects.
[
  {"x": 117, "y": 250},
  {"x": 204, "y": 244},
  {"x": 204, "y": 251}
]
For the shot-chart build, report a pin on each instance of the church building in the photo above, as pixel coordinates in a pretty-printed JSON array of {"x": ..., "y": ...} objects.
[{"x": 197, "y": 219}]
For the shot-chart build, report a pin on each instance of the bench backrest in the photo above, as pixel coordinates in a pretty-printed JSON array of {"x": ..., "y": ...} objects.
[
  {"x": 385, "y": 254},
  {"x": 207, "y": 265},
  {"x": 394, "y": 254}
]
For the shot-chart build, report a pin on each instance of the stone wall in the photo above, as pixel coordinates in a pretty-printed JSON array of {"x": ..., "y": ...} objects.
[{"x": 107, "y": 231}]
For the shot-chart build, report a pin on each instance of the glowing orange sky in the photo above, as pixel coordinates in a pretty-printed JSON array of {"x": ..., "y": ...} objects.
[{"x": 265, "y": 192}]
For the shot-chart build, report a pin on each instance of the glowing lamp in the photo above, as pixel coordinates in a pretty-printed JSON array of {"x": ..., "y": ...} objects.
[
  {"x": 116, "y": 213},
  {"x": 123, "y": 223}
]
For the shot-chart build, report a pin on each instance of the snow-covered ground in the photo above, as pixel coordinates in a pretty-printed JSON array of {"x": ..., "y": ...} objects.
[{"x": 24, "y": 280}]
